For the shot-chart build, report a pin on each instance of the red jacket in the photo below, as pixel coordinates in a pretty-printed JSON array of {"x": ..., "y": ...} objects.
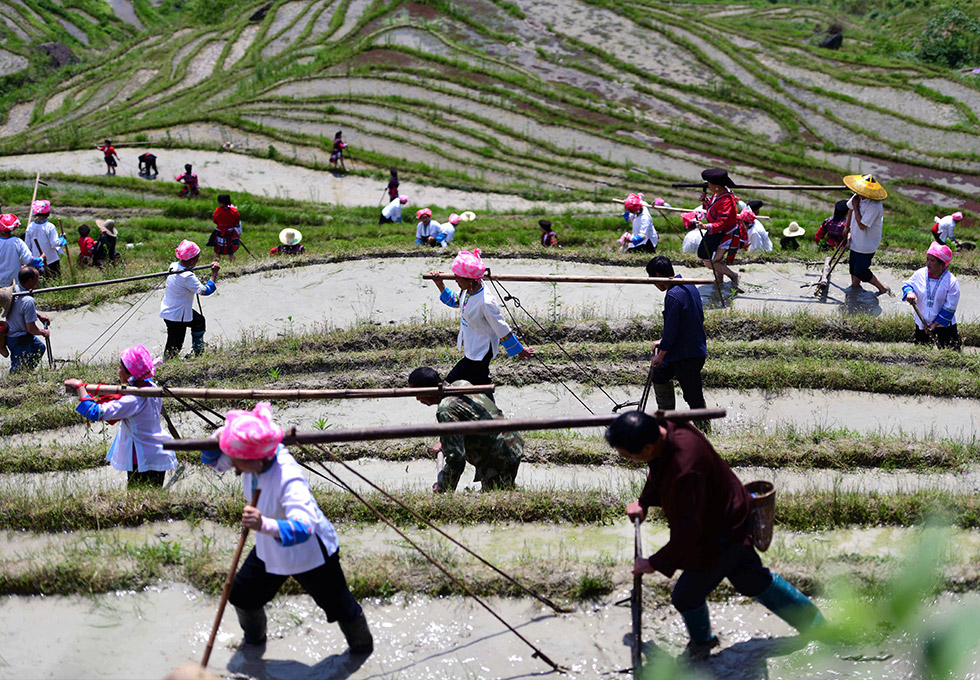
[
  {"x": 702, "y": 499},
  {"x": 722, "y": 212},
  {"x": 226, "y": 218}
]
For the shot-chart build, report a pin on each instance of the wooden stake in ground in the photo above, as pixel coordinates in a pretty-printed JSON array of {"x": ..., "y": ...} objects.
[
  {"x": 564, "y": 278},
  {"x": 271, "y": 395},
  {"x": 228, "y": 581},
  {"x": 47, "y": 345},
  {"x": 636, "y": 603},
  {"x": 823, "y": 284}
]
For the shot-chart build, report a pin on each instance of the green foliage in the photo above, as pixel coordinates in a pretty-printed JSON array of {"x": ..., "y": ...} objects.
[{"x": 951, "y": 38}]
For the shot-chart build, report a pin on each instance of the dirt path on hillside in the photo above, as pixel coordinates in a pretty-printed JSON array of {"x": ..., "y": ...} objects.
[{"x": 390, "y": 291}]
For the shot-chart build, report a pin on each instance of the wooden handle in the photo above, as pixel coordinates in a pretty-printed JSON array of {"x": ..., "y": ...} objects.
[
  {"x": 564, "y": 278},
  {"x": 636, "y": 601},
  {"x": 227, "y": 590}
]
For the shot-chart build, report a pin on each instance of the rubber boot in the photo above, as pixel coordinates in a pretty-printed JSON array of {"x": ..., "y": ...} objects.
[
  {"x": 664, "y": 392},
  {"x": 358, "y": 634},
  {"x": 699, "y": 628},
  {"x": 785, "y": 601},
  {"x": 253, "y": 623},
  {"x": 197, "y": 342}
]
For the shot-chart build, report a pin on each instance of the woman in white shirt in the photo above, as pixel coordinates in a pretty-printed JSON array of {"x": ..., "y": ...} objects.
[
  {"x": 482, "y": 329},
  {"x": 865, "y": 218}
]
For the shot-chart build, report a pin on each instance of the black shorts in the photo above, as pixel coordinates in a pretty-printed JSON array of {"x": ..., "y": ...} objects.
[
  {"x": 709, "y": 246},
  {"x": 859, "y": 265}
]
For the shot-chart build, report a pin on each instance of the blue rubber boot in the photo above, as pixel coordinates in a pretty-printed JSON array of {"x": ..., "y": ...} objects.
[
  {"x": 197, "y": 342},
  {"x": 699, "y": 628},
  {"x": 785, "y": 601}
]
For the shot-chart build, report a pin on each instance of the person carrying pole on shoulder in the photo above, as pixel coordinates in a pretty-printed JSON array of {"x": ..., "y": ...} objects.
[
  {"x": 43, "y": 239},
  {"x": 23, "y": 345},
  {"x": 228, "y": 232},
  {"x": 708, "y": 511},
  {"x": 934, "y": 293},
  {"x": 482, "y": 329},
  {"x": 720, "y": 222},
  {"x": 292, "y": 535},
  {"x": 496, "y": 457},
  {"x": 14, "y": 253},
  {"x": 139, "y": 446},
  {"x": 110, "y": 156},
  {"x": 177, "y": 307},
  {"x": 865, "y": 218},
  {"x": 680, "y": 352},
  {"x": 189, "y": 180},
  {"x": 643, "y": 238}
]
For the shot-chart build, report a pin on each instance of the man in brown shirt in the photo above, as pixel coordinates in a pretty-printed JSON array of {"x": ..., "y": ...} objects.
[{"x": 708, "y": 512}]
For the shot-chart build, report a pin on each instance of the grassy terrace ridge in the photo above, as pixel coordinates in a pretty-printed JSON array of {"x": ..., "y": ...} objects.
[
  {"x": 821, "y": 448},
  {"x": 813, "y": 510}
]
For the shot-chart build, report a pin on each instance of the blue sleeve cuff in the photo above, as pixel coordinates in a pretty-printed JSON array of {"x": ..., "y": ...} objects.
[
  {"x": 37, "y": 263},
  {"x": 449, "y": 298},
  {"x": 293, "y": 532},
  {"x": 418, "y": 241},
  {"x": 440, "y": 238},
  {"x": 89, "y": 409},
  {"x": 512, "y": 345},
  {"x": 210, "y": 458},
  {"x": 906, "y": 289},
  {"x": 626, "y": 216},
  {"x": 209, "y": 287},
  {"x": 945, "y": 317},
  {"x": 636, "y": 240}
]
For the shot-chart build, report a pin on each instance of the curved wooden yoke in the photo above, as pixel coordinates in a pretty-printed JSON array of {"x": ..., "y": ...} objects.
[{"x": 565, "y": 278}]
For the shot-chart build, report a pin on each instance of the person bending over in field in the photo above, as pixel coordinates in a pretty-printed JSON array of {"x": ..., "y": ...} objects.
[{"x": 496, "y": 457}]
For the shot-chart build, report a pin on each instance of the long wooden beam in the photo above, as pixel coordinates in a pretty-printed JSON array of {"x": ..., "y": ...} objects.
[
  {"x": 441, "y": 429},
  {"x": 273, "y": 395},
  {"x": 670, "y": 208},
  {"x": 92, "y": 284},
  {"x": 769, "y": 187},
  {"x": 564, "y": 278}
]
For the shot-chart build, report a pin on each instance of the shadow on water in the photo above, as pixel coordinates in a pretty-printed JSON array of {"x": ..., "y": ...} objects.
[
  {"x": 746, "y": 660},
  {"x": 248, "y": 662},
  {"x": 860, "y": 301}
]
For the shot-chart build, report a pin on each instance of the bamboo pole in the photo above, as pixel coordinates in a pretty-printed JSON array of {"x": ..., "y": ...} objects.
[
  {"x": 442, "y": 429},
  {"x": 768, "y": 187},
  {"x": 299, "y": 394},
  {"x": 227, "y": 589},
  {"x": 564, "y": 278},
  {"x": 671, "y": 208},
  {"x": 636, "y": 602},
  {"x": 91, "y": 284}
]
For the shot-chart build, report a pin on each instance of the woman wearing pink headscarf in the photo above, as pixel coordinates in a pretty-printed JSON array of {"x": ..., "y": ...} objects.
[
  {"x": 482, "y": 329},
  {"x": 293, "y": 537},
  {"x": 177, "y": 307},
  {"x": 138, "y": 448},
  {"x": 934, "y": 293}
]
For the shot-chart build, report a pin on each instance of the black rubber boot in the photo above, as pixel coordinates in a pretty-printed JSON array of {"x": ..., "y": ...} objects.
[
  {"x": 358, "y": 635},
  {"x": 253, "y": 623}
]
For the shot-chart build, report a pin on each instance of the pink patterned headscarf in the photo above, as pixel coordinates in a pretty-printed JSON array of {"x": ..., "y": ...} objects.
[
  {"x": 957, "y": 216},
  {"x": 468, "y": 265},
  {"x": 747, "y": 215},
  {"x": 454, "y": 219},
  {"x": 634, "y": 202},
  {"x": 943, "y": 253},
  {"x": 139, "y": 362},
  {"x": 41, "y": 207},
  {"x": 187, "y": 250},
  {"x": 403, "y": 199},
  {"x": 658, "y": 202},
  {"x": 423, "y": 211},
  {"x": 689, "y": 218},
  {"x": 9, "y": 222},
  {"x": 250, "y": 435}
]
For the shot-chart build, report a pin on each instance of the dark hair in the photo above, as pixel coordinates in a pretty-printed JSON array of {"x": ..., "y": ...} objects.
[
  {"x": 660, "y": 266},
  {"x": 632, "y": 431},
  {"x": 754, "y": 206},
  {"x": 424, "y": 377},
  {"x": 187, "y": 167},
  {"x": 108, "y": 141},
  {"x": 339, "y": 132},
  {"x": 544, "y": 224},
  {"x": 84, "y": 230},
  {"x": 840, "y": 210},
  {"x": 394, "y": 173},
  {"x": 27, "y": 274},
  {"x": 224, "y": 199}
]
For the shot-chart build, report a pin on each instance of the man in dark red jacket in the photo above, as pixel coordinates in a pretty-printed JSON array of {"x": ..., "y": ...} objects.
[{"x": 708, "y": 512}]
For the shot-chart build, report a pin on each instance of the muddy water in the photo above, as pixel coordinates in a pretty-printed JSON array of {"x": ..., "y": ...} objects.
[
  {"x": 124, "y": 10},
  {"x": 144, "y": 635},
  {"x": 391, "y": 291},
  {"x": 264, "y": 177}
]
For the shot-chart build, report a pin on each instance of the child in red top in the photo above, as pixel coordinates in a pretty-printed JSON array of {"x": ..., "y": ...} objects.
[
  {"x": 190, "y": 182},
  {"x": 85, "y": 244},
  {"x": 227, "y": 235},
  {"x": 110, "y": 156}
]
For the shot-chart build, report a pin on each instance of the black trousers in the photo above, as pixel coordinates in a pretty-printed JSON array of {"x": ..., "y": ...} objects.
[
  {"x": 177, "y": 331},
  {"x": 946, "y": 338},
  {"x": 53, "y": 269},
  {"x": 385, "y": 220},
  {"x": 740, "y": 564},
  {"x": 687, "y": 373},
  {"x": 254, "y": 587},
  {"x": 474, "y": 372}
]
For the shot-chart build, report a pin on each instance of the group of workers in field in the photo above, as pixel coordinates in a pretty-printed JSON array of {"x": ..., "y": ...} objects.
[{"x": 706, "y": 507}]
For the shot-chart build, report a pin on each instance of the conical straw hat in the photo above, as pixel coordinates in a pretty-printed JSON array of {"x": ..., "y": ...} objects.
[{"x": 866, "y": 186}]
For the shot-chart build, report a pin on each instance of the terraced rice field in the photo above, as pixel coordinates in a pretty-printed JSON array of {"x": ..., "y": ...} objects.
[{"x": 516, "y": 110}]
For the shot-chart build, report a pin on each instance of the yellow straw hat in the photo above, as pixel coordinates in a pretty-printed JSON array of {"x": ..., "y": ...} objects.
[{"x": 866, "y": 186}]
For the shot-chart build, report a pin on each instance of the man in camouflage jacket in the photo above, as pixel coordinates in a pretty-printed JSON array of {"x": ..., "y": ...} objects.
[{"x": 496, "y": 457}]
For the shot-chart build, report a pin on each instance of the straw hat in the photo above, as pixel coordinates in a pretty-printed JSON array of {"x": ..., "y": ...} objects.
[
  {"x": 467, "y": 216},
  {"x": 290, "y": 236},
  {"x": 866, "y": 186},
  {"x": 793, "y": 230},
  {"x": 107, "y": 227}
]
